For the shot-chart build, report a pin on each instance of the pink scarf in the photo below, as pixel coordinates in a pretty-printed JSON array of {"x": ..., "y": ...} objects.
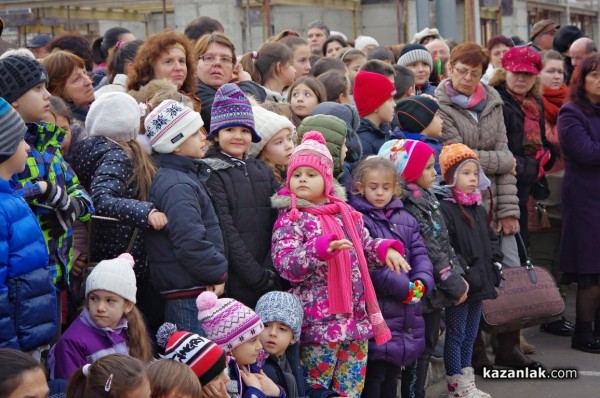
[{"x": 339, "y": 279}]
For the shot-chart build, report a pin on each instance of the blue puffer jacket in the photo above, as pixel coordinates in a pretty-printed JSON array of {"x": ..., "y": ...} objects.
[
  {"x": 372, "y": 137},
  {"x": 28, "y": 317},
  {"x": 405, "y": 321}
]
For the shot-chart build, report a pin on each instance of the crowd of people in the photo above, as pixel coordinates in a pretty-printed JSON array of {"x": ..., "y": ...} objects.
[{"x": 305, "y": 219}]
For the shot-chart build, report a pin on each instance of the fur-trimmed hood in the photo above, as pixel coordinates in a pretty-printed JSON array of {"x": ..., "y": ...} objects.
[{"x": 282, "y": 202}]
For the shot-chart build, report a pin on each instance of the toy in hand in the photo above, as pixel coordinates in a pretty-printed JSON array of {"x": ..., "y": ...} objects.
[{"x": 416, "y": 290}]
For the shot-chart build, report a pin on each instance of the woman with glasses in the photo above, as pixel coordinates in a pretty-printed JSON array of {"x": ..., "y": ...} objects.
[{"x": 217, "y": 65}]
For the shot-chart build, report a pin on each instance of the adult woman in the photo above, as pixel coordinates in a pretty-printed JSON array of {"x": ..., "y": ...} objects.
[
  {"x": 165, "y": 55},
  {"x": 216, "y": 66},
  {"x": 24, "y": 377},
  {"x": 472, "y": 115},
  {"x": 497, "y": 46},
  {"x": 579, "y": 136},
  {"x": 332, "y": 45}
]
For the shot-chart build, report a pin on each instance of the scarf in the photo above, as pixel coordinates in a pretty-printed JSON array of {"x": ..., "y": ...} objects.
[
  {"x": 466, "y": 199},
  {"x": 532, "y": 133},
  {"x": 553, "y": 100},
  {"x": 475, "y": 103},
  {"x": 339, "y": 278}
]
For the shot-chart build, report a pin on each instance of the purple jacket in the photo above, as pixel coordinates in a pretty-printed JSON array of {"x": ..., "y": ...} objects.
[
  {"x": 83, "y": 343},
  {"x": 405, "y": 321}
]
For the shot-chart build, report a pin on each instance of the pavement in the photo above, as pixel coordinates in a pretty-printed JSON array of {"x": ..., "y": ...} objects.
[{"x": 554, "y": 352}]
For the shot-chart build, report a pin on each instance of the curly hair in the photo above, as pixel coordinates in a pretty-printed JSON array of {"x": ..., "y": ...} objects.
[{"x": 142, "y": 68}]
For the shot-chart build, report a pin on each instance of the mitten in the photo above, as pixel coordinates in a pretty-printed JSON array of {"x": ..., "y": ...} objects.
[{"x": 416, "y": 290}]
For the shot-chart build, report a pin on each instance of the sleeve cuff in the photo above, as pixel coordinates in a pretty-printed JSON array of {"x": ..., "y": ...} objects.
[
  {"x": 385, "y": 245},
  {"x": 321, "y": 246}
]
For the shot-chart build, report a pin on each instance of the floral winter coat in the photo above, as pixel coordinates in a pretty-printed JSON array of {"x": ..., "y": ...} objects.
[{"x": 297, "y": 259}]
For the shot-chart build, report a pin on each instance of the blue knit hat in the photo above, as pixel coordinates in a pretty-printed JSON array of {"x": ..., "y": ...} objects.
[
  {"x": 231, "y": 108},
  {"x": 12, "y": 130},
  {"x": 281, "y": 307}
]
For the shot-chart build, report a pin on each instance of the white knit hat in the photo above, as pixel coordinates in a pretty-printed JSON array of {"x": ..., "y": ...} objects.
[
  {"x": 114, "y": 115},
  {"x": 363, "y": 42},
  {"x": 267, "y": 124},
  {"x": 170, "y": 124},
  {"x": 115, "y": 275}
]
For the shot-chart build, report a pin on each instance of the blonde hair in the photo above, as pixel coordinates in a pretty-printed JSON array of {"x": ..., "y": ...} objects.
[{"x": 374, "y": 163}]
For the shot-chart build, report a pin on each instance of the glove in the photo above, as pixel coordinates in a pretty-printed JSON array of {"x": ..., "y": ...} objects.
[
  {"x": 67, "y": 217},
  {"x": 416, "y": 290},
  {"x": 49, "y": 222},
  {"x": 273, "y": 280},
  {"x": 56, "y": 197}
]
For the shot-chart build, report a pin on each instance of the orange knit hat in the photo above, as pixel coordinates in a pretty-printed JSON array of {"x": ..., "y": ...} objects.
[{"x": 452, "y": 158}]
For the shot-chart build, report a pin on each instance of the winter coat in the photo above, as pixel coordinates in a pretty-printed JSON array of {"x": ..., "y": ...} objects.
[
  {"x": 84, "y": 342},
  {"x": 189, "y": 252},
  {"x": 207, "y": 93},
  {"x": 106, "y": 171},
  {"x": 579, "y": 136},
  {"x": 425, "y": 88},
  {"x": 489, "y": 141},
  {"x": 372, "y": 137},
  {"x": 335, "y": 132},
  {"x": 28, "y": 317},
  {"x": 405, "y": 321},
  {"x": 298, "y": 259},
  {"x": 478, "y": 248},
  {"x": 236, "y": 386},
  {"x": 240, "y": 191},
  {"x": 273, "y": 370},
  {"x": 447, "y": 271},
  {"x": 45, "y": 163}
]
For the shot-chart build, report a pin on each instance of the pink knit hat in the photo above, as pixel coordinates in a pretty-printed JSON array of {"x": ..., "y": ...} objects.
[
  {"x": 409, "y": 156},
  {"x": 226, "y": 321},
  {"x": 313, "y": 152}
]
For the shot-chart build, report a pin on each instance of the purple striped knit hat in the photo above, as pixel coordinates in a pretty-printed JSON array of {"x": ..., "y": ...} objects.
[
  {"x": 226, "y": 321},
  {"x": 231, "y": 108}
]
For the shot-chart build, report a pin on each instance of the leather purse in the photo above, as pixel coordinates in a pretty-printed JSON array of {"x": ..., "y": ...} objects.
[{"x": 527, "y": 296}]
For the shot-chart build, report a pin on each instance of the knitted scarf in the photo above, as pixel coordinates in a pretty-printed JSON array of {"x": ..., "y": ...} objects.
[
  {"x": 467, "y": 199},
  {"x": 339, "y": 279},
  {"x": 553, "y": 100},
  {"x": 532, "y": 133},
  {"x": 475, "y": 103}
]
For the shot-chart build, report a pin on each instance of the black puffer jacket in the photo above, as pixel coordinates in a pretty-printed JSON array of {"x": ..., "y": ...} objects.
[
  {"x": 241, "y": 193},
  {"x": 105, "y": 170},
  {"x": 372, "y": 137}
]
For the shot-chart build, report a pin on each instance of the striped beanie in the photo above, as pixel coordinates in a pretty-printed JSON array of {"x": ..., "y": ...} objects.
[
  {"x": 412, "y": 53},
  {"x": 231, "y": 108},
  {"x": 206, "y": 359},
  {"x": 12, "y": 130},
  {"x": 226, "y": 321},
  {"x": 416, "y": 113}
]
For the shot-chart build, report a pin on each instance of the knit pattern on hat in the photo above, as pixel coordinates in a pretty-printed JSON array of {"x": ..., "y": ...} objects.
[
  {"x": 13, "y": 130},
  {"x": 267, "y": 124},
  {"x": 453, "y": 157},
  {"x": 170, "y": 124},
  {"x": 371, "y": 90},
  {"x": 226, "y": 321},
  {"x": 416, "y": 113},
  {"x": 281, "y": 307},
  {"x": 206, "y": 359},
  {"x": 19, "y": 74},
  {"x": 231, "y": 108},
  {"x": 114, "y": 115},
  {"x": 408, "y": 156},
  {"x": 115, "y": 276},
  {"x": 412, "y": 53}
]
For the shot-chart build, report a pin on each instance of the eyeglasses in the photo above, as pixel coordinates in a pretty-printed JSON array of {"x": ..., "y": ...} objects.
[
  {"x": 213, "y": 59},
  {"x": 462, "y": 72}
]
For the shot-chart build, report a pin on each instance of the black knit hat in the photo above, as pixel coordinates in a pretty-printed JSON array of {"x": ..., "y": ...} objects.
[
  {"x": 19, "y": 74},
  {"x": 416, "y": 113},
  {"x": 565, "y": 37}
]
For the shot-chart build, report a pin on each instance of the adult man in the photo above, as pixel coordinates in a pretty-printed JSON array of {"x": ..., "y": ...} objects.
[
  {"x": 580, "y": 49},
  {"x": 438, "y": 48},
  {"x": 201, "y": 26},
  {"x": 542, "y": 35},
  {"x": 316, "y": 33},
  {"x": 39, "y": 45}
]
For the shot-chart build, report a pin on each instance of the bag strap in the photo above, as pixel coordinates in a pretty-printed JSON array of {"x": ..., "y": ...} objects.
[{"x": 527, "y": 263}]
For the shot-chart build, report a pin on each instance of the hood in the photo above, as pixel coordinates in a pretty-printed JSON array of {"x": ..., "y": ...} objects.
[{"x": 282, "y": 202}]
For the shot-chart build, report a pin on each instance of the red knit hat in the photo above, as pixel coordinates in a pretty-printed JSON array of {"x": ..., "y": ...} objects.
[
  {"x": 370, "y": 91},
  {"x": 409, "y": 156}
]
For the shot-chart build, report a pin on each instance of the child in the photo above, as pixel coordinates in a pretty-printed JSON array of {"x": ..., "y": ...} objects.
[
  {"x": 320, "y": 245},
  {"x": 170, "y": 379},
  {"x": 60, "y": 115},
  {"x": 31, "y": 321},
  {"x": 477, "y": 246},
  {"x": 240, "y": 188},
  {"x": 337, "y": 87},
  {"x": 414, "y": 161},
  {"x": 112, "y": 376},
  {"x": 374, "y": 98},
  {"x": 109, "y": 323},
  {"x": 278, "y": 136},
  {"x": 236, "y": 329},
  {"x": 282, "y": 315},
  {"x": 354, "y": 60},
  {"x": 272, "y": 66},
  {"x": 419, "y": 119},
  {"x": 404, "y": 81},
  {"x": 304, "y": 95},
  {"x": 416, "y": 58},
  {"x": 206, "y": 359},
  {"x": 301, "y": 54},
  {"x": 188, "y": 257},
  {"x": 377, "y": 190}
]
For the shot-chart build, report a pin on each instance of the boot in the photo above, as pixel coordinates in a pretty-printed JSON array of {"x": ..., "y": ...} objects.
[
  {"x": 479, "y": 359},
  {"x": 469, "y": 375},
  {"x": 509, "y": 354},
  {"x": 583, "y": 338},
  {"x": 525, "y": 346},
  {"x": 458, "y": 387}
]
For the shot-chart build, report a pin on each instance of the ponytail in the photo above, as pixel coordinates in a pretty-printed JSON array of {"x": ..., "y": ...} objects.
[
  {"x": 143, "y": 168},
  {"x": 137, "y": 336},
  {"x": 261, "y": 64}
]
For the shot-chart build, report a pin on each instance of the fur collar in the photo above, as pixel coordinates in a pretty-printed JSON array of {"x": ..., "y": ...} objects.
[{"x": 282, "y": 202}]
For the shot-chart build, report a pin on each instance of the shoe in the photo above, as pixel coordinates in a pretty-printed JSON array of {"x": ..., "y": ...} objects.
[
  {"x": 592, "y": 347},
  {"x": 469, "y": 375},
  {"x": 526, "y": 347},
  {"x": 515, "y": 359},
  {"x": 562, "y": 327}
]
